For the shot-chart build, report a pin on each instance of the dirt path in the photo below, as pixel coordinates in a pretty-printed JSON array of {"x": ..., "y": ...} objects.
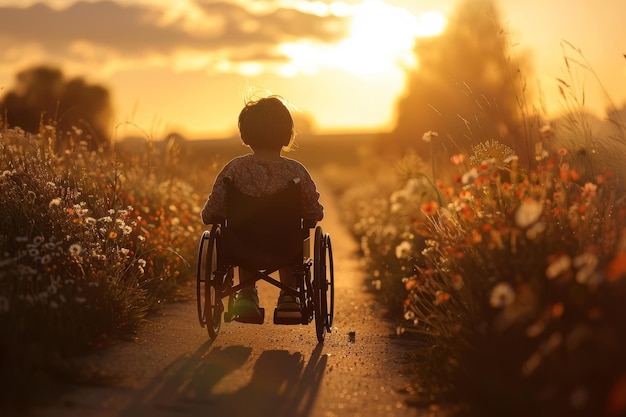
[{"x": 173, "y": 369}]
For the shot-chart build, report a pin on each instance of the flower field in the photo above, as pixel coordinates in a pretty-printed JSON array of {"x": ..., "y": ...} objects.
[
  {"x": 90, "y": 242},
  {"x": 510, "y": 279}
]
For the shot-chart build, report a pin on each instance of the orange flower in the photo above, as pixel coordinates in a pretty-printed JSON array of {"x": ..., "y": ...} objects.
[
  {"x": 441, "y": 297},
  {"x": 557, "y": 310},
  {"x": 112, "y": 235},
  {"x": 617, "y": 267},
  {"x": 430, "y": 208},
  {"x": 616, "y": 401}
]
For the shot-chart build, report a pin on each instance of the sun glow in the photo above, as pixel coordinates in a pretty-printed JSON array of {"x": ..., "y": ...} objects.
[
  {"x": 382, "y": 39},
  {"x": 383, "y": 36}
]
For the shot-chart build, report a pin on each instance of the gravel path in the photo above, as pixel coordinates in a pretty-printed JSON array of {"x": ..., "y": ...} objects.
[{"x": 173, "y": 369}]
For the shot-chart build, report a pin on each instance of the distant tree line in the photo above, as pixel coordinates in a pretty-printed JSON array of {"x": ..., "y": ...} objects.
[{"x": 42, "y": 98}]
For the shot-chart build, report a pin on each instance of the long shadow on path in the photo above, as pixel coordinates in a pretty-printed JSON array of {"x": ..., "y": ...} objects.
[{"x": 282, "y": 384}]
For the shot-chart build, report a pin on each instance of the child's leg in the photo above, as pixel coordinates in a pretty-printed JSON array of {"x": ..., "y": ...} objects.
[
  {"x": 288, "y": 304},
  {"x": 247, "y": 301},
  {"x": 286, "y": 276},
  {"x": 246, "y": 276}
]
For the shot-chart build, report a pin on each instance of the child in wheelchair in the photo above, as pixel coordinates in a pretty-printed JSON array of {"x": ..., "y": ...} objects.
[{"x": 267, "y": 128}]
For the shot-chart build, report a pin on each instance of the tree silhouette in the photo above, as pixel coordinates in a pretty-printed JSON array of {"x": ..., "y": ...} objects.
[
  {"x": 467, "y": 87},
  {"x": 77, "y": 110}
]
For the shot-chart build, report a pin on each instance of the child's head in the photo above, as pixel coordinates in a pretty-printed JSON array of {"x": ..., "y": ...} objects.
[{"x": 266, "y": 124}]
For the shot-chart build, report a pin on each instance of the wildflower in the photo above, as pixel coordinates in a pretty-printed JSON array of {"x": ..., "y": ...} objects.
[
  {"x": 441, "y": 297},
  {"x": 75, "y": 249},
  {"x": 430, "y": 208},
  {"x": 528, "y": 213},
  {"x": 5, "y": 306},
  {"x": 403, "y": 250},
  {"x": 589, "y": 190},
  {"x": 510, "y": 159},
  {"x": 586, "y": 264},
  {"x": 535, "y": 230},
  {"x": 557, "y": 310},
  {"x": 112, "y": 235},
  {"x": 457, "y": 281},
  {"x": 141, "y": 238},
  {"x": 578, "y": 397},
  {"x": 91, "y": 221},
  {"x": 545, "y": 129},
  {"x": 141, "y": 262},
  {"x": 427, "y": 136},
  {"x": 457, "y": 159},
  {"x": 535, "y": 329},
  {"x": 557, "y": 267},
  {"x": 105, "y": 219},
  {"x": 470, "y": 176},
  {"x": 124, "y": 251},
  {"x": 54, "y": 202},
  {"x": 502, "y": 295},
  {"x": 409, "y": 315},
  {"x": 562, "y": 151}
]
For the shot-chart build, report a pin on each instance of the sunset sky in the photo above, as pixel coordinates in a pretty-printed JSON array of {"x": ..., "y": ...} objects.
[{"x": 186, "y": 65}]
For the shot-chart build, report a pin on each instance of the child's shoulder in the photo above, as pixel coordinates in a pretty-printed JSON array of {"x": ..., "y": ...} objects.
[{"x": 289, "y": 161}]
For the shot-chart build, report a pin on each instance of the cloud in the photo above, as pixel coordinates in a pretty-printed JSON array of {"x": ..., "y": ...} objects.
[{"x": 136, "y": 31}]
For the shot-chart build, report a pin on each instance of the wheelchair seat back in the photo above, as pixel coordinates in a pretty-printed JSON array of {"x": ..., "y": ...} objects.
[{"x": 266, "y": 232}]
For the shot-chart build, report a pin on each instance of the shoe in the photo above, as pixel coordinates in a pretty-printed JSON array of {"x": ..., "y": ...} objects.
[
  {"x": 288, "y": 305},
  {"x": 246, "y": 304}
]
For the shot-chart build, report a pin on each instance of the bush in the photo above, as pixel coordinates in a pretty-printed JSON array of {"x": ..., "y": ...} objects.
[
  {"x": 88, "y": 247},
  {"x": 515, "y": 281}
]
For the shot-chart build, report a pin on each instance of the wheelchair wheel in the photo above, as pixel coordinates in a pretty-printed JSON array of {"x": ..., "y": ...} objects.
[
  {"x": 209, "y": 303},
  {"x": 323, "y": 284}
]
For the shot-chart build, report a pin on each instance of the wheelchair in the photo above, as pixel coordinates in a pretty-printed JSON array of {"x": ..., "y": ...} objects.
[{"x": 263, "y": 235}]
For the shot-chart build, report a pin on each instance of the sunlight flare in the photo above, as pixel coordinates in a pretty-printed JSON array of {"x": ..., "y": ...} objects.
[{"x": 382, "y": 39}]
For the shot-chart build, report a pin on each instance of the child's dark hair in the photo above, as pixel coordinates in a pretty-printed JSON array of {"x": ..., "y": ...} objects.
[{"x": 266, "y": 124}]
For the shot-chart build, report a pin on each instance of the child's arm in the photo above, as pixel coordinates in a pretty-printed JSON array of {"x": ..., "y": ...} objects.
[
  {"x": 312, "y": 210},
  {"x": 215, "y": 207}
]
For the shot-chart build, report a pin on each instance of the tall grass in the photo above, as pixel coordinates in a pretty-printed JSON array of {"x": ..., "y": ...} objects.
[
  {"x": 90, "y": 242},
  {"x": 510, "y": 278}
]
